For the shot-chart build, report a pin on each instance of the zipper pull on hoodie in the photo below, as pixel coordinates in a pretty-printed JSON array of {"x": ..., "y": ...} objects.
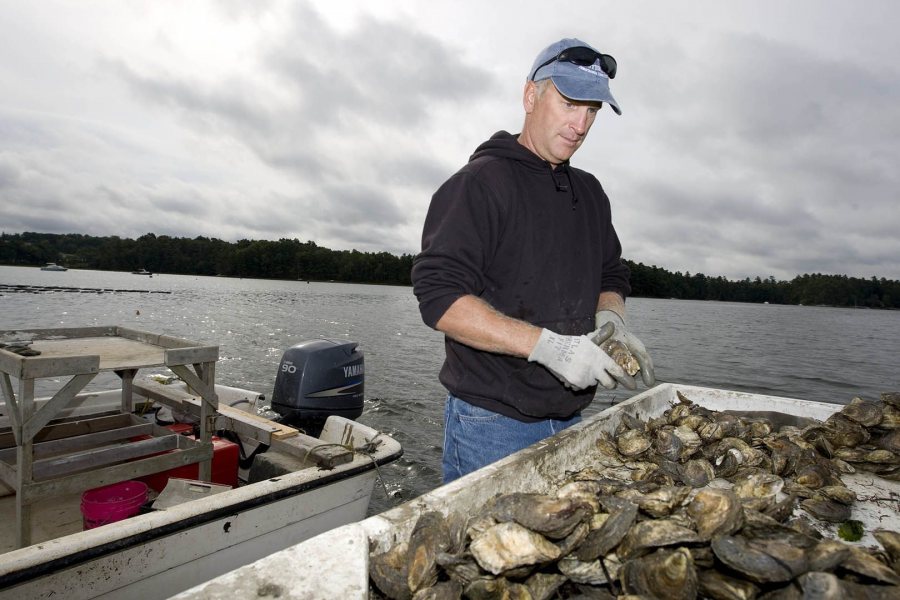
[{"x": 564, "y": 186}]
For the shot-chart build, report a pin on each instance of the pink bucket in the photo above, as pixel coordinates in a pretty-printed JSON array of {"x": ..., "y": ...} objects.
[{"x": 112, "y": 503}]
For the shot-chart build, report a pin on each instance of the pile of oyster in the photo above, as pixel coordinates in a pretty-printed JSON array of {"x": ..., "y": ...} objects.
[{"x": 692, "y": 504}]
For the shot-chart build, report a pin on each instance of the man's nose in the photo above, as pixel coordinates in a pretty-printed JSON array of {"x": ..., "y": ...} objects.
[{"x": 580, "y": 121}]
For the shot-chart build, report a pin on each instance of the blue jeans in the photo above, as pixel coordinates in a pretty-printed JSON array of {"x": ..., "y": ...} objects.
[{"x": 475, "y": 437}]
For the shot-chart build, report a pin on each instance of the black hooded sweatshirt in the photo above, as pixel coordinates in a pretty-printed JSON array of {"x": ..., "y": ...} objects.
[{"x": 534, "y": 242}]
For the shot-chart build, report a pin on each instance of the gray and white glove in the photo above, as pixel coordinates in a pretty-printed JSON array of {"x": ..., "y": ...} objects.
[
  {"x": 577, "y": 361},
  {"x": 606, "y": 317}
]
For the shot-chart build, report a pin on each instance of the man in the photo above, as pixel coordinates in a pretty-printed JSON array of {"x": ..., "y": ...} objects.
[{"x": 521, "y": 270}]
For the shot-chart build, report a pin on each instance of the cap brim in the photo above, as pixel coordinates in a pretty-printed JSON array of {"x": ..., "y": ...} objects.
[{"x": 578, "y": 88}]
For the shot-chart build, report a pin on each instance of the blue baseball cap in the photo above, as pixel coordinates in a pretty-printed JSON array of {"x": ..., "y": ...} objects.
[{"x": 578, "y": 70}]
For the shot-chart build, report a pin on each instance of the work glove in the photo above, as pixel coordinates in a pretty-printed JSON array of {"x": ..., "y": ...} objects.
[
  {"x": 606, "y": 317},
  {"x": 577, "y": 361}
]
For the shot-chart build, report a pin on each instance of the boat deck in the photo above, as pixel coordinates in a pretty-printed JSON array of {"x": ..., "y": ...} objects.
[{"x": 52, "y": 518}]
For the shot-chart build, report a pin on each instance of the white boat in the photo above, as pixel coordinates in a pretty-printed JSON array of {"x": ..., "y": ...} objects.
[
  {"x": 342, "y": 554},
  {"x": 297, "y": 486},
  {"x": 142, "y": 272},
  {"x": 53, "y": 267},
  {"x": 163, "y": 552}
]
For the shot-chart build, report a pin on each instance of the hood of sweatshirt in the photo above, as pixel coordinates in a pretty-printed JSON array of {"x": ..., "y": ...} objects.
[{"x": 506, "y": 145}]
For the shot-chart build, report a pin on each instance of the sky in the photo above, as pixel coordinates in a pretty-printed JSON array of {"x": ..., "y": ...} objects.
[{"x": 758, "y": 138}]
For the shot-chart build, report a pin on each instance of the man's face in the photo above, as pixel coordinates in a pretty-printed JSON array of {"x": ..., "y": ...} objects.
[{"x": 555, "y": 126}]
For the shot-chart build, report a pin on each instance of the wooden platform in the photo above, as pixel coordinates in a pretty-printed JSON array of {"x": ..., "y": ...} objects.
[{"x": 38, "y": 469}]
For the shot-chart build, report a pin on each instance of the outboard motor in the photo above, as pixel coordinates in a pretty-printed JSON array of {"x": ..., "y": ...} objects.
[{"x": 318, "y": 378}]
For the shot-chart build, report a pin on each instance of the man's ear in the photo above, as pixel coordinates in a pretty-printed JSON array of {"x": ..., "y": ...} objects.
[{"x": 529, "y": 97}]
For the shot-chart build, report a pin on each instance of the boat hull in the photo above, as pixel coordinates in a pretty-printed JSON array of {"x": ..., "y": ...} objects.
[{"x": 161, "y": 553}]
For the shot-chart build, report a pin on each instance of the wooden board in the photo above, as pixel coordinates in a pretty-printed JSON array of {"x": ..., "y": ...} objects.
[{"x": 234, "y": 419}]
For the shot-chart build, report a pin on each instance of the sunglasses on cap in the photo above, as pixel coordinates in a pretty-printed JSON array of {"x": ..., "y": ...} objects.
[{"x": 583, "y": 56}]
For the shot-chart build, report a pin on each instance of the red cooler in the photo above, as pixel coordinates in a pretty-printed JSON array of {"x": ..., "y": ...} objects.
[{"x": 224, "y": 464}]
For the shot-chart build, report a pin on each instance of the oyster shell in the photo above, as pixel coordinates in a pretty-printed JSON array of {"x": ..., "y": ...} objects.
[
  {"x": 867, "y": 414},
  {"x": 838, "y": 493},
  {"x": 827, "y": 555},
  {"x": 758, "y": 485},
  {"x": 647, "y": 535},
  {"x": 389, "y": 570},
  {"x": 717, "y": 585},
  {"x": 633, "y": 442},
  {"x": 622, "y": 355},
  {"x": 460, "y": 567},
  {"x": 444, "y": 590},
  {"x": 825, "y": 509},
  {"x": 696, "y": 472},
  {"x": 548, "y": 515},
  {"x": 890, "y": 541},
  {"x": 601, "y": 541},
  {"x": 542, "y": 586},
  {"x": 658, "y": 502},
  {"x": 756, "y": 561},
  {"x": 429, "y": 536},
  {"x": 842, "y": 431},
  {"x": 490, "y": 589},
  {"x": 716, "y": 512},
  {"x": 663, "y": 574},
  {"x": 509, "y": 545},
  {"x": 863, "y": 563}
]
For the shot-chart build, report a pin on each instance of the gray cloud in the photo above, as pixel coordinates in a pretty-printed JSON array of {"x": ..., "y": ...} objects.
[{"x": 756, "y": 145}]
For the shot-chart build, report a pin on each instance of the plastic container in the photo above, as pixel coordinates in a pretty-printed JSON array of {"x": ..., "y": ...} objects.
[{"x": 112, "y": 503}]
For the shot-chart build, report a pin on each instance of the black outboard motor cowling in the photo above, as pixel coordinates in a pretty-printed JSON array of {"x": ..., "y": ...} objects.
[{"x": 318, "y": 378}]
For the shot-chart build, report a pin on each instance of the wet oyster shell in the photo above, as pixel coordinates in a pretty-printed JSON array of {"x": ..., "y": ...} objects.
[
  {"x": 659, "y": 502},
  {"x": 664, "y": 574},
  {"x": 838, "y": 493},
  {"x": 719, "y": 586},
  {"x": 623, "y": 357},
  {"x": 757, "y": 561},
  {"x": 491, "y": 589},
  {"x": 388, "y": 571},
  {"x": 429, "y": 536},
  {"x": 758, "y": 485},
  {"x": 844, "y": 432},
  {"x": 863, "y": 563},
  {"x": 867, "y": 414},
  {"x": 460, "y": 567},
  {"x": 601, "y": 541},
  {"x": 543, "y": 586},
  {"x": 827, "y": 555},
  {"x": 588, "y": 572},
  {"x": 444, "y": 590},
  {"x": 890, "y": 541},
  {"x": 782, "y": 509},
  {"x": 696, "y": 472},
  {"x": 825, "y": 509},
  {"x": 654, "y": 533},
  {"x": 822, "y": 586},
  {"x": 716, "y": 512},
  {"x": 509, "y": 545},
  {"x": 548, "y": 515},
  {"x": 888, "y": 441},
  {"x": 666, "y": 443},
  {"x": 633, "y": 442}
]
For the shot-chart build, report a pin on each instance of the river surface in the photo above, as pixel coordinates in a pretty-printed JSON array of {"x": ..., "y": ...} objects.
[{"x": 815, "y": 353}]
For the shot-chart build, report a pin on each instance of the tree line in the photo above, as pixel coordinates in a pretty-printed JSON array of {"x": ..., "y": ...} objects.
[{"x": 293, "y": 259}]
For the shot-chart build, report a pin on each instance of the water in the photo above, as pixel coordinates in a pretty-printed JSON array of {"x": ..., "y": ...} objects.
[{"x": 814, "y": 353}]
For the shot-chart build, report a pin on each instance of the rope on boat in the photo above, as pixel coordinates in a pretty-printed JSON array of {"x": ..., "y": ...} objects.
[{"x": 366, "y": 449}]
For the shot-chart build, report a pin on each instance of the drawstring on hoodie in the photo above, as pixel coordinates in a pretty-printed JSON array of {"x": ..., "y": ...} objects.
[{"x": 564, "y": 187}]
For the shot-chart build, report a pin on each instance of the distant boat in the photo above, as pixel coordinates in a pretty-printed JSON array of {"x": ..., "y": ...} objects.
[
  {"x": 53, "y": 267},
  {"x": 142, "y": 272}
]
